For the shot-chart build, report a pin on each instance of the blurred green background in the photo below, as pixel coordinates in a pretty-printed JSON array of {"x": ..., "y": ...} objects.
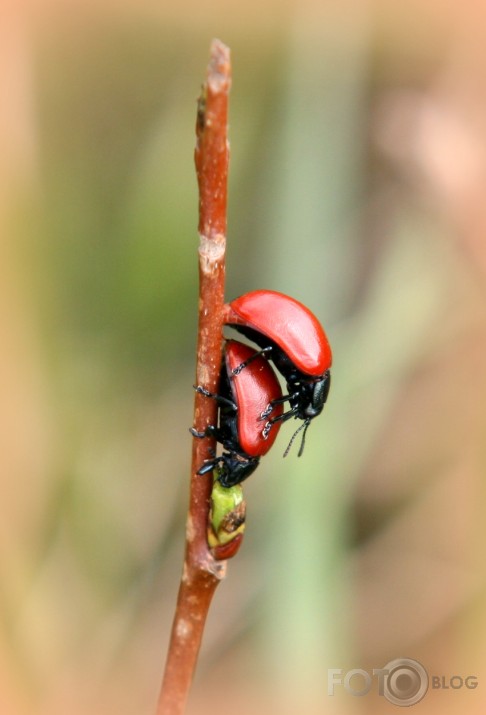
[{"x": 357, "y": 185}]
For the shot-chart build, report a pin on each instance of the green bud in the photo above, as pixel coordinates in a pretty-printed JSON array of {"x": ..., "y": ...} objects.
[{"x": 227, "y": 516}]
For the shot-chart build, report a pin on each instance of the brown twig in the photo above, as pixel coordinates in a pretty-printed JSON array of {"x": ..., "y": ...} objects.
[{"x": 202, "y": 572}]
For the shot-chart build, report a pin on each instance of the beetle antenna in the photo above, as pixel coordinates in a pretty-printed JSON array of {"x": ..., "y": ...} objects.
[
  {"x": 293, "y": 438},
  {"x": 304, "y": 427},
  {"x": 302, "y": 444}
]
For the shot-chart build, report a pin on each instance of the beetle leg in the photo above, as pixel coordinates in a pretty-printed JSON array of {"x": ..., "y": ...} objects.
[
  {"x": 195, "y": 433},
  {"x": 241, "y": 366},
  {"x": 279, "y": 418},
  {"x": 266, "y": 412},
  {"x": 266, "y": 429},
  {"x": 208, "y": 432},
  {"x": 279, "y": 401},
  {"x": 269, "y": 423},
  {"x": 209, "y": 465},
  {"x": 283, "y": 417},
  {"x": 221, "y": 400},
  {"x": 268, "y": 409}
]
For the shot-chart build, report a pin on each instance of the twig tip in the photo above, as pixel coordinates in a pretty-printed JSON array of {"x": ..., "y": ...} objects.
[{"x": 219, "y": 68}]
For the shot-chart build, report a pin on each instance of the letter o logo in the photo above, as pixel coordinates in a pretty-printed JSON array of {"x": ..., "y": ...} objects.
[{"x": 407, "y": 682}]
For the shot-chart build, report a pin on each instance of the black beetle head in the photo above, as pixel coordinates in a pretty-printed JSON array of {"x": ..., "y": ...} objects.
[
  {"x": 318, "y": 393},
  {"x": 308, "y": 402},
  {"x": 235, "y": 468},
  {"x": 308, "y": 396}
]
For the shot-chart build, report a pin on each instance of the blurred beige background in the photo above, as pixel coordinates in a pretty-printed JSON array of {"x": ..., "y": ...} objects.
[{"x": 358, "y": 178}]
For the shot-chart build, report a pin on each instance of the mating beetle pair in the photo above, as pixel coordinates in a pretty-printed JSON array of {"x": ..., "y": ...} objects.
[{"x": 250, "y": 400}]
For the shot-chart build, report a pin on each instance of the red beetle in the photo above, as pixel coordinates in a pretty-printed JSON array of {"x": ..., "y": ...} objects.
[
  {"x": 292, "y": 337},
  {"x": 243, "y": 397}
]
